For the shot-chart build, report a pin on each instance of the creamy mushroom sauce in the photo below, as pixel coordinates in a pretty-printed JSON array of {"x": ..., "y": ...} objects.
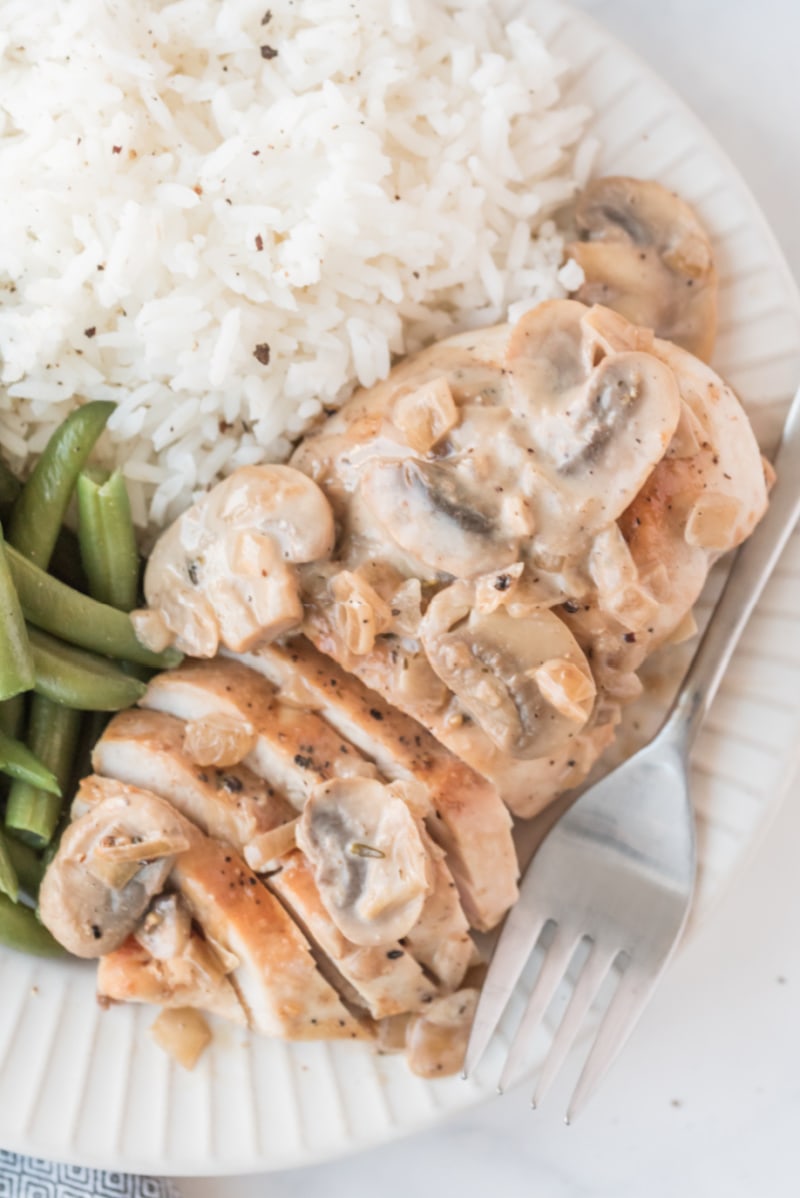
[
  {"x": 494, "y": 539},
  {"x": 523, "y": 526}
]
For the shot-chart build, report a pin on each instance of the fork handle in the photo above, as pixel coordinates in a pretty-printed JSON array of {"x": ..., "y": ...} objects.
[{"x": 752, "y": 566}]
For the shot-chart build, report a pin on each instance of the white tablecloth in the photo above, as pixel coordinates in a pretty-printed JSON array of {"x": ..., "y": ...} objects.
[{"x": 705, "y": 1102}]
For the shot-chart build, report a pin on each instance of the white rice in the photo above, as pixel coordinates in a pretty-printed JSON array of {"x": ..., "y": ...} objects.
[{"x": 174, "y": 196}]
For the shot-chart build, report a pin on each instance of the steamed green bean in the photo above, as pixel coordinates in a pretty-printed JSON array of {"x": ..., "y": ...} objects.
[
  {"x": 33, "y": 813},
  {"x": 107, "y": 540},
  {"x": 39, "y": 510},
  {"x": 18, "y": 761},
  {"x": 20, "y": 929},
  {"x": 79, "y": 679},
  {"x": 28, "y": 865},
  {"x": 9, "y": 882},
  {"x": 16, "y": 661},
  {"x": 56, "y": 608}
]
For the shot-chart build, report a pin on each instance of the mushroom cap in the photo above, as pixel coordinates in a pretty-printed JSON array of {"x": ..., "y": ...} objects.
[
  {"x": 223, "y": 572},
  {"x": 645, "y": 254},
  {"x": 431, "y": 512},
  {"x": 110, "y": 863},
  {"x": 525, "y": 681},
  {"x": 599, "y": 416},
  {"x": 366, "y": 850}
]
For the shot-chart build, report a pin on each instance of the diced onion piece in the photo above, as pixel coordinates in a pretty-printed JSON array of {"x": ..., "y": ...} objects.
[
  {"x": 426, "y": 415},
  {"x": 183, "y": 1034},
  {"x": 436, "y": 1040},
  {"x": 565, "y": 687},
  {"x": 264, "y": 851},
  {"x": 219, "y": 740},
  {"x": 359, "y": 613},
  {"x": 114, "y": 874},
  {"x": 406, "y": 608},
  {"x": 712, "y": 522},
  {"x": 121, "y": 846},
  {"x": 495, "y": 590}
]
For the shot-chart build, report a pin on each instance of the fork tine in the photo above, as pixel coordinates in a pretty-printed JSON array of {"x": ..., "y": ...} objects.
[
  {"x": 626, "y": 1005},
  {"x": 588, "y": 984},
  {"x": 551, "y": 972},
  {"x": 516, "y": 943}
]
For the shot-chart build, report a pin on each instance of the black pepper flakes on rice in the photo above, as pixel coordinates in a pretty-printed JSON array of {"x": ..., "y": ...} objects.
[
  {"x": 267, "y": 17},
  {"x": 259, "y": 242},
  {"x": 261, "y": 353},
  {"x": 268, "y": 52},
  {"x": 90, "y": 332}
]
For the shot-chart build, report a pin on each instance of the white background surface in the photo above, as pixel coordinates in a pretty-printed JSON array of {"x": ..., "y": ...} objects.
[{"x": 705, "y": 1102}]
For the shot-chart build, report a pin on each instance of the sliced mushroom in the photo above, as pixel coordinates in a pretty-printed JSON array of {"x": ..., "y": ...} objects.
[
  {"x": 431, "y": 512},
  {"x": 367, "y": 854},
  {"x": 599, "y": 419},
  {"x": 644, "y": 253},
  {"x": 224, "y": 571},
  {"x": 507, "y": 672},
  {"x": 90, "y": 908}
]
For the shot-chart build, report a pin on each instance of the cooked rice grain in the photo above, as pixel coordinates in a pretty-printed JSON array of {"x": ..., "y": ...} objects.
[{"x": 175, "y": 199}]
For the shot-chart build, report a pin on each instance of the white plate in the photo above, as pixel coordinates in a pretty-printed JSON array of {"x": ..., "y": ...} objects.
[{"x": 86, "y": 1086}]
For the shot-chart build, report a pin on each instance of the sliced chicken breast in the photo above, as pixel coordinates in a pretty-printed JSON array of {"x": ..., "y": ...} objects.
[
  {"x": 470, "y": 821},
  {"x": 146, "y": 748},
  {"x": 386, "y": 978},
  {"x": 132, "y": 974},
  {"x": 294, "y": 751},
  {"x": 440, "y": 939},
  {"x": 275, "y": 978}
]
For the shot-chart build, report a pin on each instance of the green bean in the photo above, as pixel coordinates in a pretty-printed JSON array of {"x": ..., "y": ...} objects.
[
  {"x": 20, "y": 929},
  {"x": 12, "y": 716},
  {"x": 42, "y": 503},
  {"x": 65, "y": 563},
  {"x": 32, "y": 813},
  {"x": 54, "y": 607},
  {"x": 81, "y": 680},
  {"x": 108, "y": 544},
  {"x": 9, "y": 882},
  {"x": 28, "y": 865},
  {"x": 16, "y": 662},
  {"x": 18, "y": 761},
  {"x": 9, "y": 485}
]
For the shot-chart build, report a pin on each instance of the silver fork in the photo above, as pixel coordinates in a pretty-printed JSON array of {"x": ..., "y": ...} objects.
[{"x": 616, "y": 873}]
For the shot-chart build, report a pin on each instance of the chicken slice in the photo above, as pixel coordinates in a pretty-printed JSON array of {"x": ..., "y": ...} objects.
[
  {"x": 295, "y": 750},
  {"x": 440, "y": 939},
  {"x": 275, "y": 977},
  {"x": 146, "y": 748},
  {"x": 469, "y": 820},
  {"x": 386, "y": 978},
  {"x": 132, "y": 974}
]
